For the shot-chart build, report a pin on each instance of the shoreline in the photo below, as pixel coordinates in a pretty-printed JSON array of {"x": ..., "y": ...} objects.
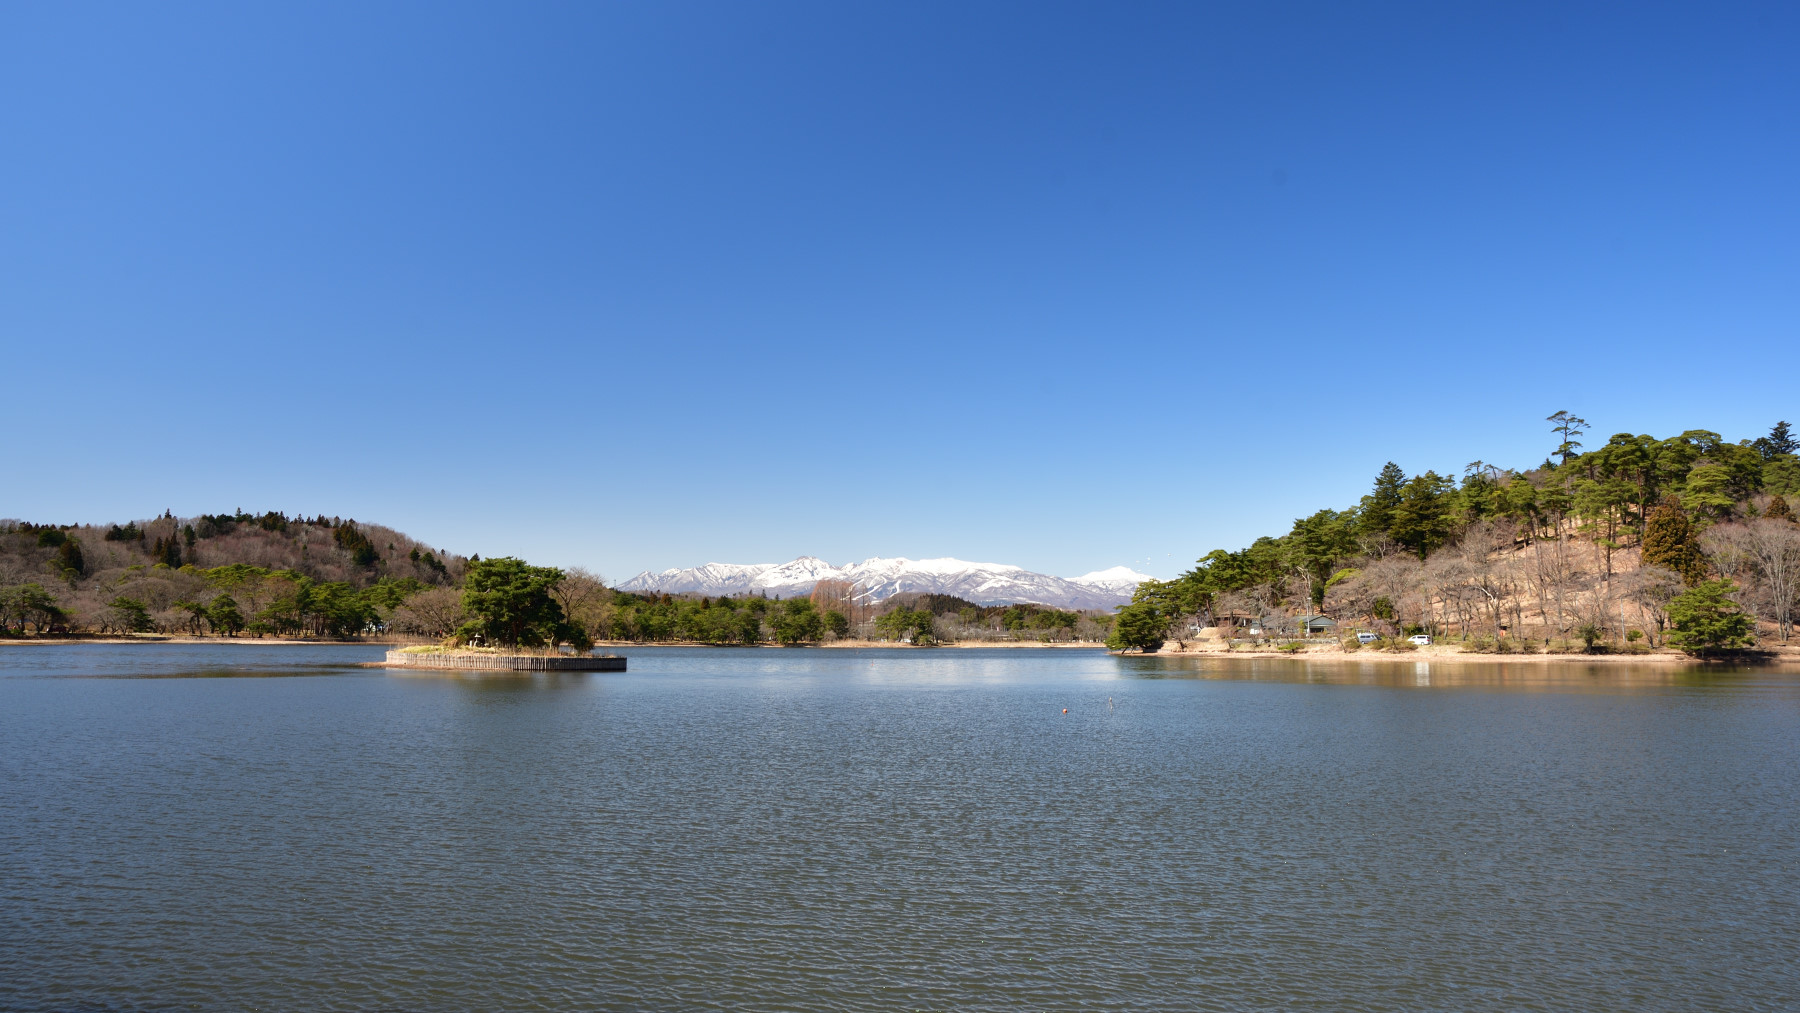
[
  {"x": 372, "y": 642},
  {"x": 1448, "y": 654},
  {"x": 1436, "y": 654}
]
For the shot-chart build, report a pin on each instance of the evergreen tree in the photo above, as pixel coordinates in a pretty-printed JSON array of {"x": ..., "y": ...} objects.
[
  {"x": 1669, "y": 541},
  {"x": 1779, "y": 441},
  {"x": 134, "y": 616},
  {"x": 166, "y": 551},
  {"x": 1778, "y": 510},
  {"x": 69, "y": 557},
  {"x": 223, "y": 616},
  {"x": 1569, "y": 427},
  {"x": 1704, "y": 619},
  {"x": 1315, "y": 546},
  {"x": 798, "y": 621},
  {"x": 1139, "y": 625},
  {"x": 1378, "y": 506},
  {"x": 511, "y": 604},
  {"x": 1426, "y": 515}
]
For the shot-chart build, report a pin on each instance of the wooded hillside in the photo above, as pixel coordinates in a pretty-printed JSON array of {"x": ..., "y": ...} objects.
[
  {"x": 1596, "y": 543},
  {"x": 225, "y": 573}
]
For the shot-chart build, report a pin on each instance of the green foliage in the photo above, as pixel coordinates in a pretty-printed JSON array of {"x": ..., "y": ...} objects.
[
  {"x": 354, "y": 542},
  {"x": 1026, "y": 617},
  {"x": 69, "y": 557},
  {"x": 321, "y": 608},
  {"x": 214, "y": 525},
  {"x": 50, "y": 538},
  {"x": 1780, "y": 441},
  {"x": 510, "y": 604},
  {"x": 1568, "y": 427},
  {"x": 389, "y": 592},
  {"x": 1141, "y": 625},
  {"x": 1426, "y": 516},
  {"x": 1316, "y": 545},
  {"x": 797, "y": 621},
  {"x": 128, "y": 533},
  {"x": 134, "y": 616},
  {"x": 223, "y": 616},
  {"x": 1377, "y": 511},
  {"x": 710, "y": 621},
  {"x": 1704, "y": 619},
  {"x": 904, "y": 623},
  {"x": 946, "y": 604},
  {"x": 26, "y": 605},
  {"x": 1669, "y": 542},
  {"x": 1782, "y": 475},
  {"x": 836, "y": 623},
  {"x": 166, "y": 551}
]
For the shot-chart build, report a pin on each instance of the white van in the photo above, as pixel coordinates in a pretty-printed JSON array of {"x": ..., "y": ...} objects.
[
  {"x": 1367, "y": 638},
  {"x": 1420, "y": 639}
]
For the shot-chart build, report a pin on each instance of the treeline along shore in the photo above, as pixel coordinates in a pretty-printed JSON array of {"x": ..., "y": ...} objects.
[
  {"x": 252, "y": 576},
  {"x": 1683, "y": 543},
  {"x": 1688, "y": 542}
]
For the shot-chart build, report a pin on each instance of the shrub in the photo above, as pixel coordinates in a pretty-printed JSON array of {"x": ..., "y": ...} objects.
[
  {"x": 1589, "y": 634},
  {"x": 1351, "y": 644},
  {"x": 1291, "y": 647},
  {"x": 1703, "y": 619}
]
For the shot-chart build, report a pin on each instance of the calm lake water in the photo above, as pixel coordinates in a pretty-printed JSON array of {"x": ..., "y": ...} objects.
[{"x": 236, "y": 827}]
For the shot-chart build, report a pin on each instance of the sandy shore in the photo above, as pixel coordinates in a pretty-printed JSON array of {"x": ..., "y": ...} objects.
[{"x": 1452, "y": 654}]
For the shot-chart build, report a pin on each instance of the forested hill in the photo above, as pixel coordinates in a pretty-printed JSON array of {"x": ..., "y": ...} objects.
[
  {"x": 276, "y": 574},
  {"x": 1538, "y": 549}
]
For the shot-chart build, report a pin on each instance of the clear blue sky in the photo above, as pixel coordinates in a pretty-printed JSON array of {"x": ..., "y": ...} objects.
[{"x": 1065, "y": 286}]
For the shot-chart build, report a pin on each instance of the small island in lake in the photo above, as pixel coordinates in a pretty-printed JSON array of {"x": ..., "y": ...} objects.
[{"x": 490, "y": 659}]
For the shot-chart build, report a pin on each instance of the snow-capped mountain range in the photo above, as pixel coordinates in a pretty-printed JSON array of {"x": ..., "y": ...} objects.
[{"x": 982, "y": 583}]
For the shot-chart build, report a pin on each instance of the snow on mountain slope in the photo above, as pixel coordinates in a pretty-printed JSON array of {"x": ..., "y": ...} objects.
[
  {"x": 713, "y": 578},
  {"x": 881, "y": 578},
  {"x": 1114, "y": 580}
]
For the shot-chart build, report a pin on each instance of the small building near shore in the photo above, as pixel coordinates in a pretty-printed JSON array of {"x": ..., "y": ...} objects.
[{"x": 1313, "y": 626}]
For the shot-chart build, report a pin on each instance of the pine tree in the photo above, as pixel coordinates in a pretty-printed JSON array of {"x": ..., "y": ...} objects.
[
  {"x": 1669, "y": 542},
  {"x": 69, "y": 557},
  {"x": 1779, "y": 441},
  {"x": 1704, "y": 619},
  {"x": 1778, "y": 510},
  {"x": 1569, "y": 427},
  {"x": 1379, "y": 505}
]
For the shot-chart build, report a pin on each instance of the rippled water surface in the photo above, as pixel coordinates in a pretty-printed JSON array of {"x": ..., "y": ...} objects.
[{"x": 238, "y": 827}]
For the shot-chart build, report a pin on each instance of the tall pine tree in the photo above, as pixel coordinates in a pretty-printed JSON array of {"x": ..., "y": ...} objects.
[
  {"x": 1379, "y": 505},
  {"x": 1669, "y": 542}
]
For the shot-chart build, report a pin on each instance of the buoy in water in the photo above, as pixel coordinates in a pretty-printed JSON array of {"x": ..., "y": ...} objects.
[{"x": 1065, "y": 710}]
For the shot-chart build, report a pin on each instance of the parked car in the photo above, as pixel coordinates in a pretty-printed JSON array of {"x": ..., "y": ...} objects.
[
  {"x": 1421, "y": 639},
  {"x": 1367, "y": 638}
]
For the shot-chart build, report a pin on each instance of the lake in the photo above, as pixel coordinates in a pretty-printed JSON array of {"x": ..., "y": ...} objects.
[{"x": 236, "y": 827}]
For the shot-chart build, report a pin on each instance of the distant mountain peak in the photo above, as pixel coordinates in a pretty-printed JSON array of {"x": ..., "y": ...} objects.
[{"x": 881, "y": 578}]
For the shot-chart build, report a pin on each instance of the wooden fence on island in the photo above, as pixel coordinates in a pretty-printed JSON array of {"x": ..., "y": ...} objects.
[{"x": 474, "y": 661}]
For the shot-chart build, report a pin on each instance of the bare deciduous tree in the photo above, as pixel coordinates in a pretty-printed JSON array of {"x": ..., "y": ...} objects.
[
  {"x": 1763, "y": 555},
  {"x": 433, "y": 612}
]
